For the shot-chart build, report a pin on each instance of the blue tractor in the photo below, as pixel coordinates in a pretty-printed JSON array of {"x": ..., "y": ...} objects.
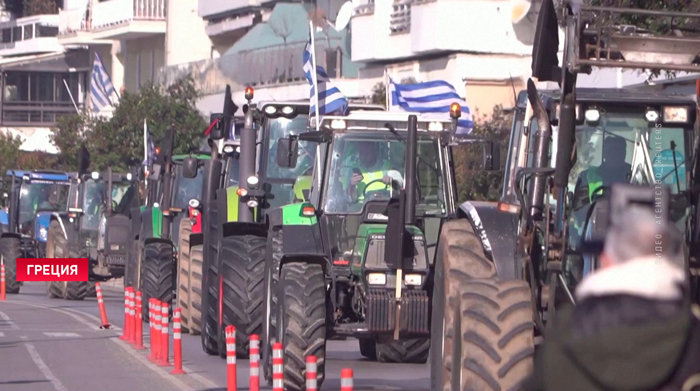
[{"x": 34, "y": 196}]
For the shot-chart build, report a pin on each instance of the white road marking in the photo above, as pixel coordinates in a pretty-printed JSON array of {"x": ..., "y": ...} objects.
[
  {"x": 77, "y": 315},
  {"x": 62, "y": 335},
  {"x": 44, "y": 368},
  {"x": 7, "y": 320}
]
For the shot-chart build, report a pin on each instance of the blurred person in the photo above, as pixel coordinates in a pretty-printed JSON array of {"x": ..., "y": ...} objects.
[
  {"x": 633, "y": 327},
  {"x": 372, "y": 173}
]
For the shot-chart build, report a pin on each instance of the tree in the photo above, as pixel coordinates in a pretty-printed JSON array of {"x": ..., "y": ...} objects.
[
  {"x": 41, "y": 7},
  {"x": 473, "y": 183},
  {"x": 12, "y": 158},
  {"x": 118, "y": 142},
  {"x": 379, "y": 94}
]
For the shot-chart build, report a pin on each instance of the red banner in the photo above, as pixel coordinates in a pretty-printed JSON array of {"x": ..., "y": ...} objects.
[{"x": 52, "y": 269}]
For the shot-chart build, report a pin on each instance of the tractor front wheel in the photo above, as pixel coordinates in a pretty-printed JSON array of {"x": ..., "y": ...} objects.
[
  {"x": 9, "y": 250},
  {"x": 68, "y": 290},
  {"x": 183, "y": 275},
  {"x": 157, "y": 274}
]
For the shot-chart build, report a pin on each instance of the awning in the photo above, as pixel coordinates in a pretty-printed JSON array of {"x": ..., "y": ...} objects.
[
  {"x": 34, "y": 139},
  {"x": 71, "y": 61}
]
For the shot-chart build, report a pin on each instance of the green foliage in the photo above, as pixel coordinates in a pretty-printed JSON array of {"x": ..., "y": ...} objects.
[
  {"x": 379, "y": 94},
  {"x": 118, "y": 142},
  {"x": 12, "y": 158},
  {"x": 40, "y": 7},
  {"x": 473, "y": 183}
]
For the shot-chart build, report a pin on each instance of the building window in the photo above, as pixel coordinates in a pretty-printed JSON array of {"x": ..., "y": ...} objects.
[
  {"x": 333, "y": 63},
  {"x": 38, "y": 97},
  {"x": 29, "y": 31},
  {"x": 46, "y": 31},
  {"x": 7, "y": 35},
  {"x": 17, "y": 33}
]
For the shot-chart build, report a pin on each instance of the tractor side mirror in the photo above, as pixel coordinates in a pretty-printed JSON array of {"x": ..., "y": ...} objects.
[
  {"x": 287, "y": 152},
  {"x": 189, "y": 167},
  {"x": 492, "y": 156},
  {"x": 217, "y": 131}
]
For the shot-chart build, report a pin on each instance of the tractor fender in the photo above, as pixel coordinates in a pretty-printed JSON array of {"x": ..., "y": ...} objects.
[
  {"x": 10, "y": 235},
  {"x": 43, "y": 219},
  {"x": 196, "y": 240},
  {"x": 498, "y": 233},
  {"x": 301, "y": 242},
  {"x": 135, "y": 217},
  {"x": 157, "y": 240}
]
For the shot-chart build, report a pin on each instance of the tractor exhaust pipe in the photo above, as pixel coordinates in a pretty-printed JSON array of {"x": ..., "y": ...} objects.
[
  {"x": 411, "y": 180},
  {"x": 109, "y": 192},
  {"x": 543, "y": 139},
  {"x": 246, "y": 161},
  {"x": 167, "y": 180}
]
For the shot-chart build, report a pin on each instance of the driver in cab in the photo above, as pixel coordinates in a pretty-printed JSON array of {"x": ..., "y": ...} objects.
[
  {"x": 613, "y": 168},
  {"x": 373, "y": 173}
]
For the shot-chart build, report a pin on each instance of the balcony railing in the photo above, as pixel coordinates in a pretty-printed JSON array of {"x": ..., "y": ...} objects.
[
  {"x": 115, "y": 12},
  {"x": 364, "y": 7},
  {"x": 401, "y": 17},
  {"x": 72, "y": 21},
  {"x": 271, "y": 66},
  {"x": 34, "y": 113}
]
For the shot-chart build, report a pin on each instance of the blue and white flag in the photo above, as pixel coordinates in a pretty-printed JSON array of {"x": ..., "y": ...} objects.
[
  {"x": 101, "y": 87},
  {"x": 431, "y": 99},
  {"x": 330, "y": 99}
]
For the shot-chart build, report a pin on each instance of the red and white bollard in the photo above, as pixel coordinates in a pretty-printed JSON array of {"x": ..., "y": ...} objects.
[
  {"x": 177, "y": 343},
  {"x": 231, "y": 375},
  {"x": 346, "y": 383},
  {"x": 101, "y": 304},
  {"x": 138, "y": 322},
  {"x": 311, "y": 374},
  {"x": 152, "y": 328},
  {"x": 157, "y": 327},
  {"x": 254, "y": 363},
  {"x": 132, "y": 316},
  {"x": 125, "y": 331},
  {"x": 277, "y": 367},
  {"x": 2, "y": 281},
  {"x": 164, "y": 337}
]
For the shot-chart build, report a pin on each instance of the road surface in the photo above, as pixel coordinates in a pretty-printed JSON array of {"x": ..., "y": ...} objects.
[{"x": 56, "y": 345}]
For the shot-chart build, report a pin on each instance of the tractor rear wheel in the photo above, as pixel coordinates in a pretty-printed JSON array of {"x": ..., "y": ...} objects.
[
  {"x": 131, "y": 271},
  {"x": 368, "y": 348},
  {"x": 10, "y": 251},
  {"x": 92, "y": 290},
  {"x": 52, "y": 287},
  {"x": 403, "y": 351},
  {"x": 183, "y": 275},
  {"x": 302, "y": 316},
  {"x": 157, "y": 274},
  {"x": 69, "y": 290},
  {"x": 242, "y": 261},
  {"x": 195, "y": 303}
]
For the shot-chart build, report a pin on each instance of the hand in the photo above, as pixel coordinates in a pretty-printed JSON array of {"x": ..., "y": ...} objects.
[
  {"x": 355, "y": 179},
  {"x": 387, "y": 179}
]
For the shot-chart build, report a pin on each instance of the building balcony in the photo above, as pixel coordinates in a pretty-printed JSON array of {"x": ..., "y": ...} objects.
[
  {"x": 30, "y": 35},
  {"x": 113, "y": 20},
  {"x": 219, "y": 9},
  {"x": 396, "y": 30}
]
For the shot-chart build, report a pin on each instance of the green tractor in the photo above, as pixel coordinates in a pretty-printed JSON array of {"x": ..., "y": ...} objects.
[
  {"x": 356, "y": 259},
  {"x": 152, "y": 263},
  {"x": 235, "y": 213}
]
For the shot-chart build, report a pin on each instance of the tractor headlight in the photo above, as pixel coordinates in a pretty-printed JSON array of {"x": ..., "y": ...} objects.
[
  {"x": 155, "y": 204},
  {"x": 652, "y": 115},
  {"x": 287, "y": 110},
  {"x": 270, "y": 110},
  {"x": 676, "y": 114},
  {"x": 194, "y": 203},
  {"x": 252, "y": 203},
  {"x": 376, "y": 279},
  {"x": 253, "y": 180},
  {"x": 95, "y": 175},
  {"x": 228, "y": 148},
  {"x": 43, "y": 233},
  {"x": 413, "y": 279},
  {"x": 592, "y": 115},
  {"x": 128, "y": 176},
  {"x": 435, "y": 127},
  {"x": 338, "y": 124}
]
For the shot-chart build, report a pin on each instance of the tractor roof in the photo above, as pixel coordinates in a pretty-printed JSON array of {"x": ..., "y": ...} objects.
[
  {"x": 305, "y": 103},
  {"x": 116, "y": 177},
  {"x": 615, "y": 96},
  {"x": 180, "y": 158},
  {"x": 49, "y": 175},
  {"x": 375, "y": 120}
]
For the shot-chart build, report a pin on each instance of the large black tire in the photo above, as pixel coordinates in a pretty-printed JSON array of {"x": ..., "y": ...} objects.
[
  {"x": 196, "y": 261},
  {"x": 459, "y": 258},
  {"x": 303, "y": 315},
  {"x": 157, "y": 274},
  {"x": 9, "y": 250},
  {"x": 132, "y": 269},
  {"x": 242, "y": 261},
  {"x": 497, "y": 341},
  {"x": 413, "y": 351},
  {"x": 91, "y": 290},
  {"x": 368, "y": 348},
  {"x": 272, "y": 278},
  {"x": 53, "y": 288},
  {"x": 210, "y": 282},
  {"x": 68, "y": 290},
  {"x": 183, "y": 275}
]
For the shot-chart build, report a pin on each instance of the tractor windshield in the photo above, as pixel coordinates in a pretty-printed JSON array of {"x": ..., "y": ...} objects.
[
  {"x": 232, "y": 172},
  {"x": 377, "y": 160},
  {"x": 188, "y": 189},
  {"x": 41, "y": 196},
  {"x": 95, "y": 200},
  {"x": 124, "y": 196},
  {"x": 281, "y": 128}
]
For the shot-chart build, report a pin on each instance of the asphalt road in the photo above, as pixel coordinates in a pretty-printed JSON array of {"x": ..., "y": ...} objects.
[{"x": 56, "y": 345}]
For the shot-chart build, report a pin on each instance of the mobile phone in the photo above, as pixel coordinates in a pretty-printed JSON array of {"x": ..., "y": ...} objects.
[{"x": 357, "y": 171}]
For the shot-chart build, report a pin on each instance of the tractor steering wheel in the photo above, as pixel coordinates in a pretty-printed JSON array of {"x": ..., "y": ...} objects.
[{"x": 364, "y": 192}]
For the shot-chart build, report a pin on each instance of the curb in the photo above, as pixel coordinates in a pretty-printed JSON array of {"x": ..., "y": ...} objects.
[{"x": 115, "y": 285}]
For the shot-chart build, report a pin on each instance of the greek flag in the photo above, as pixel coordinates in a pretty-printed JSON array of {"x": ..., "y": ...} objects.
[
  {"x": 432, "y": 99},
  {"x": 149, "y": 147},
  {"x": 101, "y": 87},
  {"x": 330, "y": 99}
]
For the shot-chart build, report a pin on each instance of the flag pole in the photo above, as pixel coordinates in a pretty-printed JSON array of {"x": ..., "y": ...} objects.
[
  {"x": 387, "y": 89},
  {"x": 314, "y": 72},
  {"x": 145, "y": 150}
]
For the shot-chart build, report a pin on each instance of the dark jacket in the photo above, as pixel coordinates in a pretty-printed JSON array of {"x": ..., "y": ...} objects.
[{"x": 620, "y": 342}]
